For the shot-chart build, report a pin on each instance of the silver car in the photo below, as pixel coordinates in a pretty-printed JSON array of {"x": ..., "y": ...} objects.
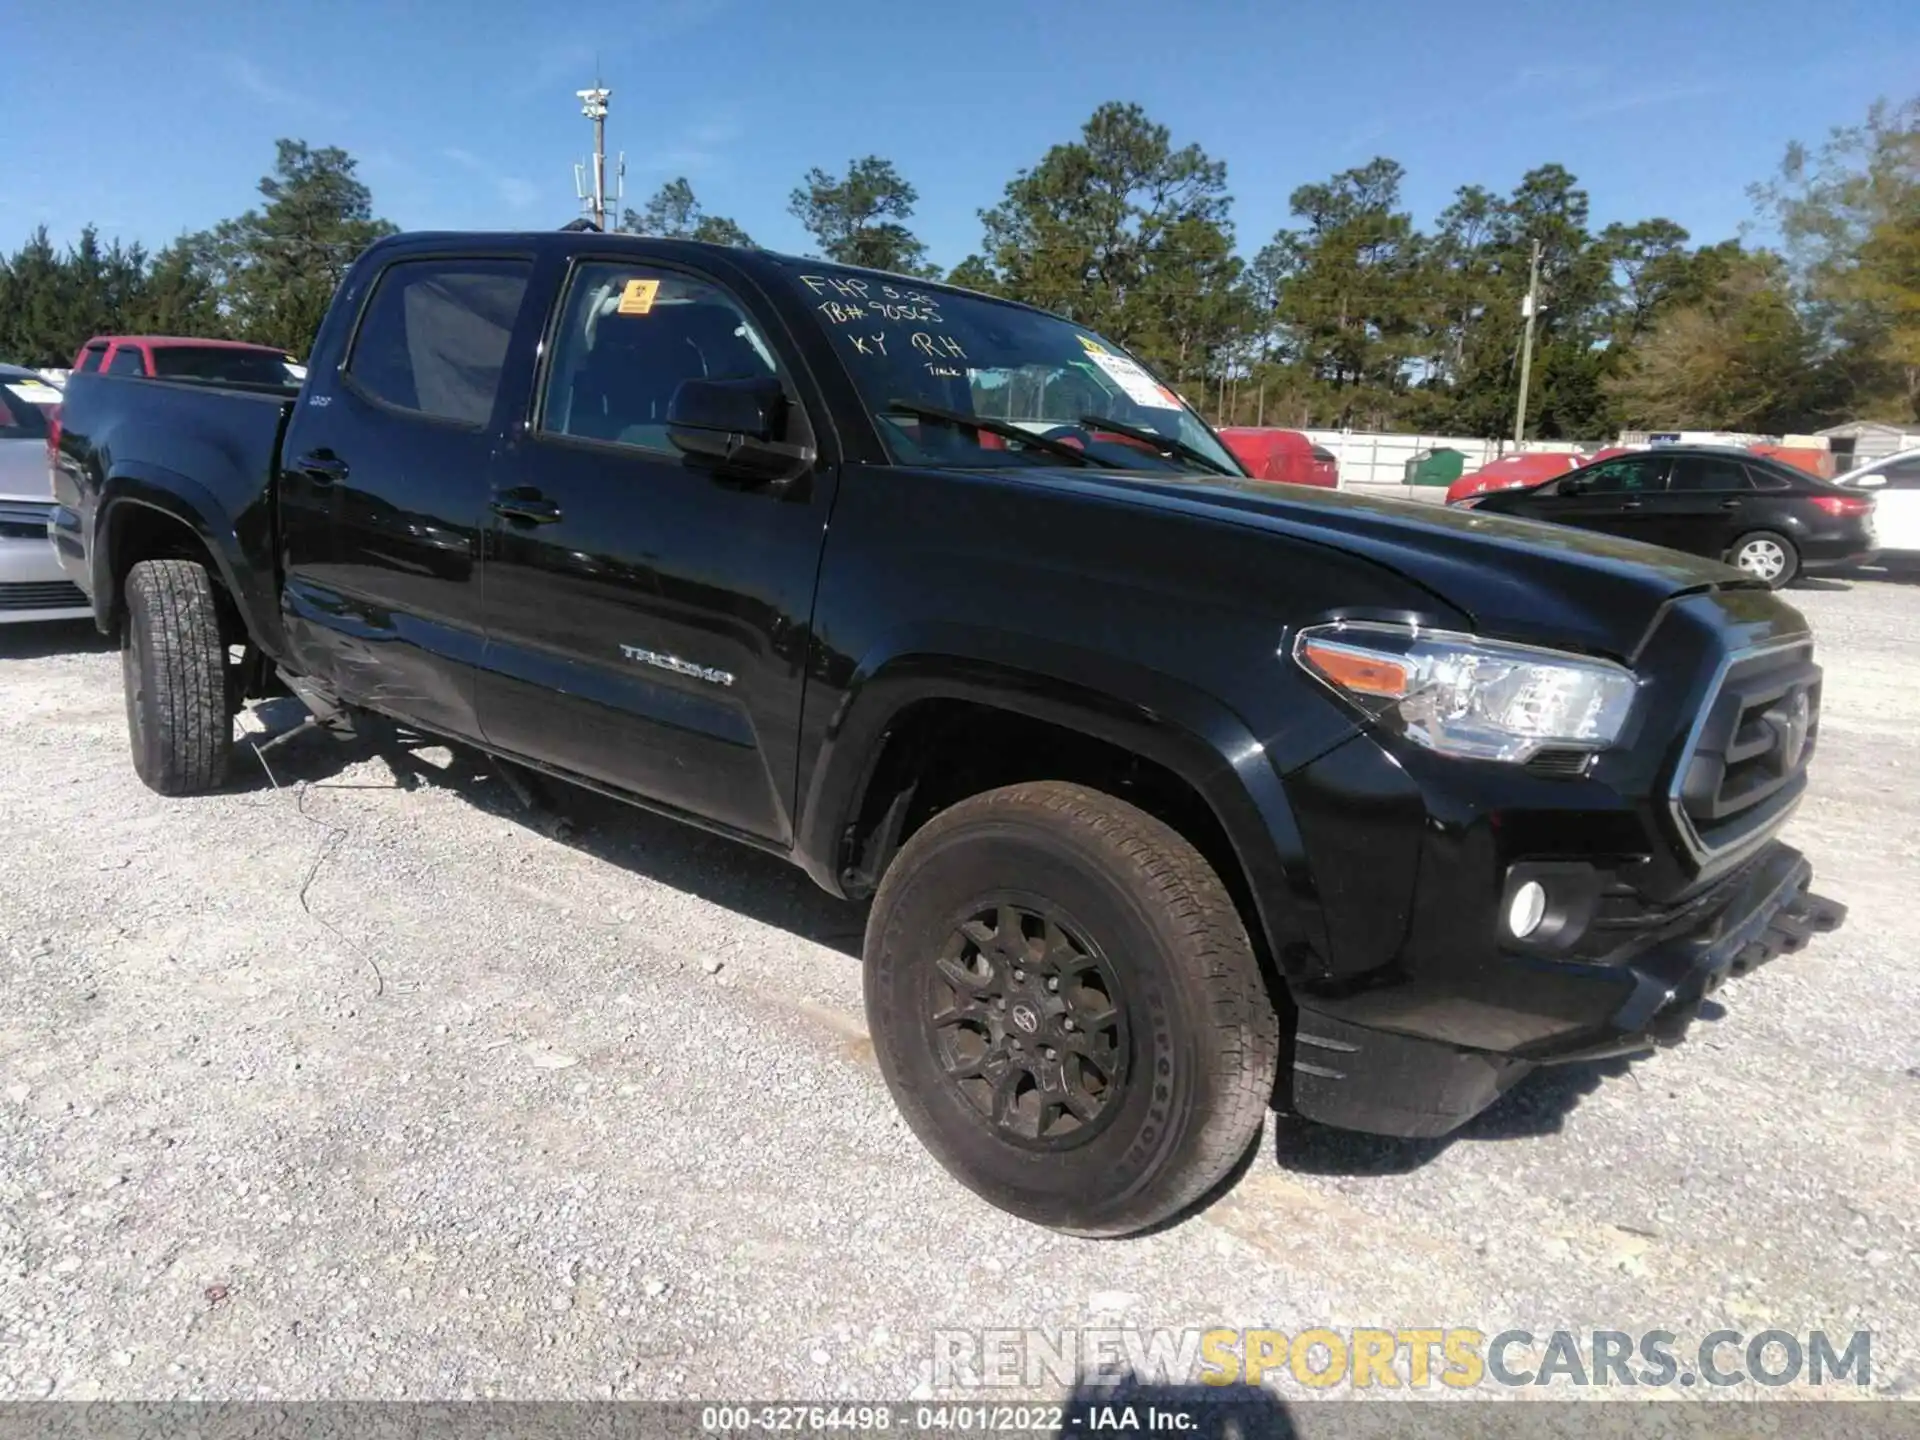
[{"x": 32, "y": 584}]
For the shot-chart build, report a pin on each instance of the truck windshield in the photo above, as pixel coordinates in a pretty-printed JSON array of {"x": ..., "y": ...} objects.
[
  {"x": 953, "y": 351},
  {"x": 21, "y": 417},
  {"x": 219, "y": 365}
]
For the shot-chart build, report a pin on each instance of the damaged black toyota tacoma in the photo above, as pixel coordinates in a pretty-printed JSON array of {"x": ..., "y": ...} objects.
[{"x": 1176, "y": 795}]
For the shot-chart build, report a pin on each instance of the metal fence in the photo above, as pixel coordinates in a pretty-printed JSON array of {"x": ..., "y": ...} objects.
[{"x": 1374, "y": 461}]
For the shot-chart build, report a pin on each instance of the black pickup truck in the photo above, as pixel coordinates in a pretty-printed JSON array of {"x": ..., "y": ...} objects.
[{"x": 1176, "y": 795}]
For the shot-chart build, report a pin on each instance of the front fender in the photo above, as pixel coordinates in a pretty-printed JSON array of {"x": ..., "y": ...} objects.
[
  {"x": 139, "y": 485},
  {"x": 1192, "y": 734}
]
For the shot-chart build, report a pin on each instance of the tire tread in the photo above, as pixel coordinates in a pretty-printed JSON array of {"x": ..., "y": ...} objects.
[
  {"x": 1166, "y": 872},
  {"x": 189, "y": 729}
]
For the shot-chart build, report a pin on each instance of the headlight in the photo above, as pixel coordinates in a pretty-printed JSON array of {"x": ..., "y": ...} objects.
[{"x": 1461, "y": 695}]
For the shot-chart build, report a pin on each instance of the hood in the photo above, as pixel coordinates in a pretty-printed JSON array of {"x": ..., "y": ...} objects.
[
  {"x": 1518, "y": 579},
  {"x": 23, "y": 470}
]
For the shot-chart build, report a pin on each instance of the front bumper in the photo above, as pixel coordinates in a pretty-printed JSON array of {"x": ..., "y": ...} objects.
[
  {"x": 1362, "y": 1077},
  {"x": 33, "y": 586}
]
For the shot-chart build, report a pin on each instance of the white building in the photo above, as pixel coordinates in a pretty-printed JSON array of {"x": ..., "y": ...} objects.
[{"x": 1859, "y": 442}]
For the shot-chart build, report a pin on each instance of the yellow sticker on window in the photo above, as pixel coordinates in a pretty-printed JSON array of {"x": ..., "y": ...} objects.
[{"x": 637, "y": 298}]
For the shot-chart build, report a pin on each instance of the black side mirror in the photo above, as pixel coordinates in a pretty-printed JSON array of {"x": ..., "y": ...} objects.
[{"x": 730, "y": 426}]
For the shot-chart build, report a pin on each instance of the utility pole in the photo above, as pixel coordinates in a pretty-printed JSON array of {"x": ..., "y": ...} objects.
[
  {"x": 593, "y": 105},
  {"x": 1529, "y": 308}
]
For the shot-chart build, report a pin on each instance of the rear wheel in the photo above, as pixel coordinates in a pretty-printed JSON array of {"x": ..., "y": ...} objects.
[
  {"x": 1067, "y": 1009},
  {"x": 174, "y": 665},
  {"x": 1766, "y": 556}
]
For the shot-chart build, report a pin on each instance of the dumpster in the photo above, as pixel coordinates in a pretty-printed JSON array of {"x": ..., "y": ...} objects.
[{"x": 1438, "y": 466}]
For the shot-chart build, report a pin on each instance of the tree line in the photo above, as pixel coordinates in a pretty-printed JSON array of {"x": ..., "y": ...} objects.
[{"x": 1351, "y": 315}]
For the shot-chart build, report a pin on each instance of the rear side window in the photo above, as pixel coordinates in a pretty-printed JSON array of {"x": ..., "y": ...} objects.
[
  {"x": 126, "y": 361},
  {"x": 1708, "y": 472},
  {"x": 433, "y": 338}
]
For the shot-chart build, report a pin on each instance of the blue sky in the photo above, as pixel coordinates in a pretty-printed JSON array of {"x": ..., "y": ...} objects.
[{"x": 152, "y": 119}]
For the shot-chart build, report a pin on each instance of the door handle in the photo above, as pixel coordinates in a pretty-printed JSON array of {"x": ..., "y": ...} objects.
[
  {"x": 1730, "y": 504},
  {"x": 526, "y": 505},
  {"x": 322, "y": 467},
  {"x": 1632, "y": 504}
]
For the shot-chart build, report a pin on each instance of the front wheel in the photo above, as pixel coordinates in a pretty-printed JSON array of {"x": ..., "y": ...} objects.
[
  {"x": 174, "y": 665},
  {"x": 1766, "y": 556},
  {"x": 1067, "y": 1009}
]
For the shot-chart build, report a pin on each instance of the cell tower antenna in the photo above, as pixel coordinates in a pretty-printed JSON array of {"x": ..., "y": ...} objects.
[{"x": 596, "y": 201}]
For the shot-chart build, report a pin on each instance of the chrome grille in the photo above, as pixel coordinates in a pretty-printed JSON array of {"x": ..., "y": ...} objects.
[
  {"x": 41, "y": 595},
  {"x": 24, "y": 519}
]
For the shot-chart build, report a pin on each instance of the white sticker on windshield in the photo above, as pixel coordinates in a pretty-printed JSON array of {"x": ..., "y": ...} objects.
[
  {"x": 35, "y": 393},
  {"x": 1138, "y": 385}
]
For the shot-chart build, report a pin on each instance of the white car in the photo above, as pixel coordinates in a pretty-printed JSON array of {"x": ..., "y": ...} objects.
[
  {"x": 32, "y": 584},
  {"x": 1895, "y": 485}
]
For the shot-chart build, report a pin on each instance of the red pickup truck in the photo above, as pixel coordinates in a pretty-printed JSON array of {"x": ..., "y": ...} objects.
[
  {"x": 1283, "y": 455},
  {"x": 173, "y": 357}
]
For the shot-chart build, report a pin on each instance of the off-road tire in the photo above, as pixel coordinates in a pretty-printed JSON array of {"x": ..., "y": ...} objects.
[
  {"x": 1788, "y": 550},
  {"x": 1203, "y": 1037},
  {"x": 174, "y": 665}
]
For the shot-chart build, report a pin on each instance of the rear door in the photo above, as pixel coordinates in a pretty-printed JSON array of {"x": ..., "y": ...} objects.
[
  {"x": 1709, "y": 500},
  {"x": 383, "y": 489},
  {"x": 647, "y": 622}
]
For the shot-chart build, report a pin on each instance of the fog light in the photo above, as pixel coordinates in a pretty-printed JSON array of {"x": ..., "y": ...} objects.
[{"x": 1527, "y": 909}]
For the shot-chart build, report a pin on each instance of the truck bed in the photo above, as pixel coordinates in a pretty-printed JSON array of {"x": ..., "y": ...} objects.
[{"x": 206, "y": 454}]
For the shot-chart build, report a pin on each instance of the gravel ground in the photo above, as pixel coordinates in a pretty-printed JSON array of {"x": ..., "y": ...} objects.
[{"x": 363, "y": 1087}]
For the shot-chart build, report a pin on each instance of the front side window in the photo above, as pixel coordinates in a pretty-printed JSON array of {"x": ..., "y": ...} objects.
[
  {"x": 914, "y": 348},
  {"x": 434, "y": 336},
  {"x": 127, "y": 360},
  {"x": 1903, "y": 474},
  {"x": 1634, "y": 475},
  {"x": 90, "y": 361},
  {"x": 628, "y": 336}
]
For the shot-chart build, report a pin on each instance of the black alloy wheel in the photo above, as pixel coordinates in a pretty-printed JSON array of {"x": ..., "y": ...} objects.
[{"x": 1030, "y": 1026}]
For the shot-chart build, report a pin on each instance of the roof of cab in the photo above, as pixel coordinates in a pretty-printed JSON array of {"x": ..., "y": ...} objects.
[
  {"x": 748, "y": 257},
  {"x": 171, "y": 342}
]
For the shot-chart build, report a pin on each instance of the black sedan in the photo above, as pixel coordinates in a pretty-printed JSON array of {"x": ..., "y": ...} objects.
[{"x": 1767, "y": 518}]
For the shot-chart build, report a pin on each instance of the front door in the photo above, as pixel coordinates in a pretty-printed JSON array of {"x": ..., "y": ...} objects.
[
  {"x": 647, "y": 623},
  {"x": 1896, "y": 507},
  {"x": 1613, "y": 496},
  {"x": 383, "y": 492}
]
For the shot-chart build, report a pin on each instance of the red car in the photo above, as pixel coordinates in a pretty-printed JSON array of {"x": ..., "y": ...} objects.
[
  {"x": 172, "y": 357},
  {"x": 1512, "y": 471},
  {"x": 1285, "y": 456}
]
